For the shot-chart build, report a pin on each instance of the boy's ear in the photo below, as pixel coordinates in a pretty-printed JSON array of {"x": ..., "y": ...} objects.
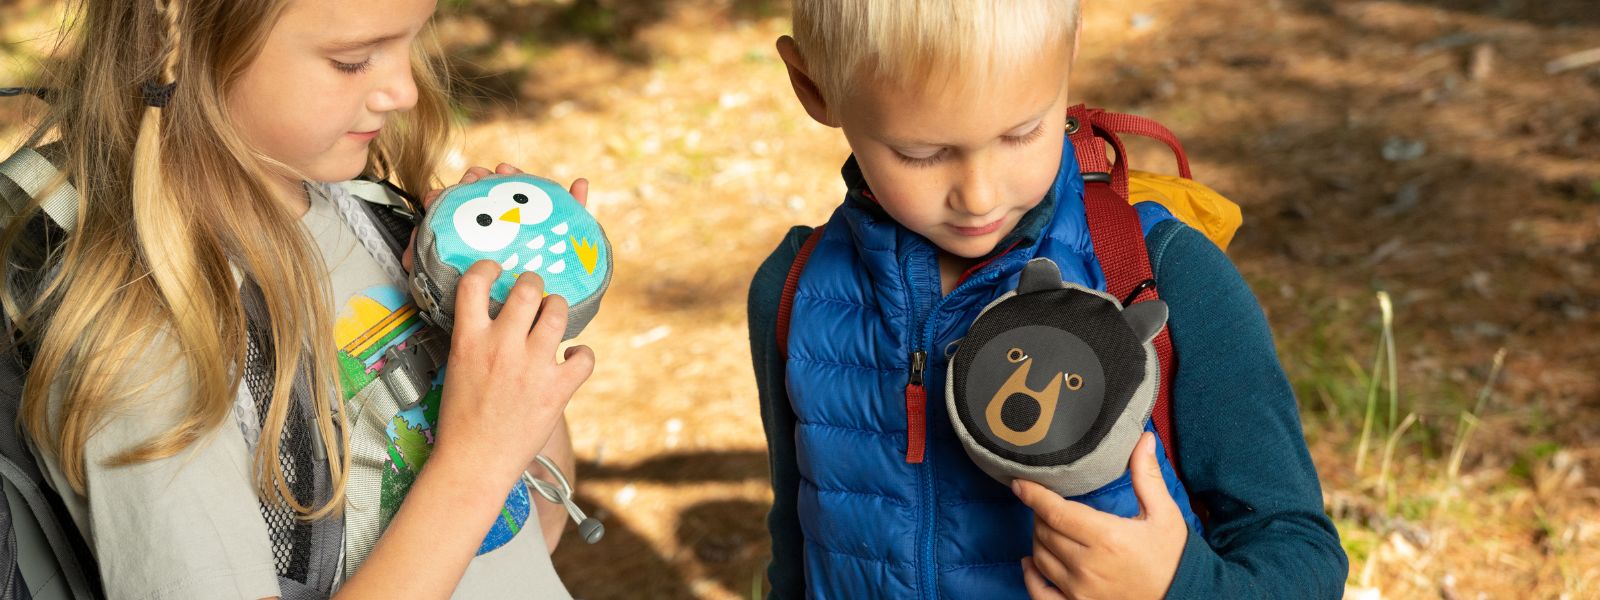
[
  {"x": 1077, "y": 37},
  {"x": 804, "y": 87}
]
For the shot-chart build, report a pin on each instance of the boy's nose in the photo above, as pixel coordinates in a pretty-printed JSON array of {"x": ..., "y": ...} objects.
[{"x": 975, "y": 194}]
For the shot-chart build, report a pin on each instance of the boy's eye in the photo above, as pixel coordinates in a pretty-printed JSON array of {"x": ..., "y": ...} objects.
[
  {"x": 1027, "y": 138},
  {"x": 352, "y": 68},
  {"x": 921, "y": 161}
]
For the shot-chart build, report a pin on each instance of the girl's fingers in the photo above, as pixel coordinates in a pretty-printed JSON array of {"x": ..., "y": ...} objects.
[
  {"x": 580, "y": 191},
  {"x": 577, "y": 366},
  {"x": 472, "y": 294},
  {"x": 548, "y": 328},
  {"x": 475, "y": 174},
  {"x": 522, "y": 303},
  {"x": 505, "y": 169}
]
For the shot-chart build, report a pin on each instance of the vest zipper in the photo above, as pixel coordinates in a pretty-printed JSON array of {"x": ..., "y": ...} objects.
[
  {"x": 917, "y": 426},
  {"x": 916, "y": 409}
]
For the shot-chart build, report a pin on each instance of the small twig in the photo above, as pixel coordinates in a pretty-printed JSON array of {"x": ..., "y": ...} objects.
[
  {"x": 1385, "y": 485},
  {"x": 1576, "y": 60},
  {"x": 1469, "y": 421}
]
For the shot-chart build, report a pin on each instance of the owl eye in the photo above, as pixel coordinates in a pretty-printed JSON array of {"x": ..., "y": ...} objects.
[
  {"x": 533, "y": 204},
  {"x": 1016, "y": 355},
  {"x": 487, "y": 225}
]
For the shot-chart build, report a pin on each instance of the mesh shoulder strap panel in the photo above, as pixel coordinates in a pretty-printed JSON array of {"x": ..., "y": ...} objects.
[
  {"x": 39, "y": 524},
  {"x": 1114, "y": 226},
  {"x": 790, "y": 284}
]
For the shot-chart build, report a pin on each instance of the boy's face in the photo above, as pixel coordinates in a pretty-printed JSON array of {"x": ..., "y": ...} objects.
[{"x": 962, "y": 164}]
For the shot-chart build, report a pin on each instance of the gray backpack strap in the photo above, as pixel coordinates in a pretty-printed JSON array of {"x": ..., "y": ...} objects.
[
  {"x": 30, "y": 173},
  {"x": 49, "y": 555},
  {"x": 41, "y": 546}
]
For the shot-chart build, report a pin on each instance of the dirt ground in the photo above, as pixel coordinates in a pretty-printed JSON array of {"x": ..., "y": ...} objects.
[{"x": 1432, "y": 149}]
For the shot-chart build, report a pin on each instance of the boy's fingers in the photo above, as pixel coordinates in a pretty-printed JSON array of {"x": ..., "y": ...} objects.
[
  {"x": 1038, "y": 587},
  {"x": 1058, "y": 543},
  {"x": 1051, "y": 566},
  {"x": 1148, "y": 485},
  {"x": 472, "y": 294},
  {"x": 580, "y": 191},
  {"x": 522, "y": 303},
  {"x": 1078, "y": 522}
]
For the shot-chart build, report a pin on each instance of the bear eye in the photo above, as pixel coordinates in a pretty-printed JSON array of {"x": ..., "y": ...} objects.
[
  {"x": 1016, "y": 355},
  {"x": 484, "y": 220}
]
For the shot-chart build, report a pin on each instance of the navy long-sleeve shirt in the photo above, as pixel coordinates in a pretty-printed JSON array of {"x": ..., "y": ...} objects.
[{"x": 1240, "y": 449}]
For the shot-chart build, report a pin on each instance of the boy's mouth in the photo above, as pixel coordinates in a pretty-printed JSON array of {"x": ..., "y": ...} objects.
[{"x": 979, "y": 230}]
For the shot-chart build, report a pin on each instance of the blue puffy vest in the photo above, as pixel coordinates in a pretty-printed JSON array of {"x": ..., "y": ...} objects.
[{"x": 869, "y": 297}]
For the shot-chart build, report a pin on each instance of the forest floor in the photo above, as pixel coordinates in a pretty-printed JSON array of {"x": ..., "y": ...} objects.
[{"x": 1429, "y": 149}]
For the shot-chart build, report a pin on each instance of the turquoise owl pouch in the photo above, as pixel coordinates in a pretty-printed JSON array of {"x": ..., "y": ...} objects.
[{"x": 525, "y": 223}]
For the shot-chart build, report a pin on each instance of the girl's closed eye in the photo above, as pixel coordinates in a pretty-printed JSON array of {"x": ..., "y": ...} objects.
[{"x": 352, "y": 68}]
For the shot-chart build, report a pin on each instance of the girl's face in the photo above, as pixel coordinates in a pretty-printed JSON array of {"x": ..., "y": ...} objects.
[{"x": 327, "y": 79}]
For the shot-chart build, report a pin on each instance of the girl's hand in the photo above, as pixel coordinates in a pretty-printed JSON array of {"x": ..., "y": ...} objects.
[
  {"x": 504, "y": 392},
  {"x": 1086, "y": 553},
  {"x": 579, "y": 190}
]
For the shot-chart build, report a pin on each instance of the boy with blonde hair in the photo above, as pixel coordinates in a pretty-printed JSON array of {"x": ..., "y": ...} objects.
[{"x": 957, "y": 116}]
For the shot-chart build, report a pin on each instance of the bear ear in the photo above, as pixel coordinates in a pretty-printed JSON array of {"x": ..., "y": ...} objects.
[
  {"x": 1146, "y": 318},
  {"x": 1039, "y": 275}
]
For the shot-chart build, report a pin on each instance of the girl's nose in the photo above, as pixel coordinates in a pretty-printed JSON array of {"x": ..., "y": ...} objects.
[{"x": 397, "y": 90}]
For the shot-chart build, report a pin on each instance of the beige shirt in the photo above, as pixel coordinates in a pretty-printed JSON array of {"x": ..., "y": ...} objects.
[{"x": 190, "y": 526}]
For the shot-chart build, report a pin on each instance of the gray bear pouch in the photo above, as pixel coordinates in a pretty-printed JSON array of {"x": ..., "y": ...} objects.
[
  {"x": 525, "y": 223},
  {"x": 1055, "y": 382}
]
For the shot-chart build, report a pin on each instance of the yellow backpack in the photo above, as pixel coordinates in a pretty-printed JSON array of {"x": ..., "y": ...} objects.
[{"x": 1190, "y": 201}]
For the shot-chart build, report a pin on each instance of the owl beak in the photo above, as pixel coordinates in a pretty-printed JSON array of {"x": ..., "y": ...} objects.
[{"x": 514, "y": 216}]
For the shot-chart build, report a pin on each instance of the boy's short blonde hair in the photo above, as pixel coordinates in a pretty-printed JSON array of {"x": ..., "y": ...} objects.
[{"x": 925, "y": 41}]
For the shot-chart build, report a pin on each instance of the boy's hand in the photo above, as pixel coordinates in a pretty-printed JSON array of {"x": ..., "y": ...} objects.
[
  {"x": 579, "y": 191},
  {"x": 1086, "y": 553}
]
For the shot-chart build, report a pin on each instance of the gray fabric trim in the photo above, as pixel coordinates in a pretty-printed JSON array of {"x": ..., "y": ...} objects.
[
  {"x": 433, "y": 286},
  {"x": 1102, "y": 465}
]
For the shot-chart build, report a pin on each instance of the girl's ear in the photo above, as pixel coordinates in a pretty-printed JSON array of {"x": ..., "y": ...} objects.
[{"x": 804, "y": 87}]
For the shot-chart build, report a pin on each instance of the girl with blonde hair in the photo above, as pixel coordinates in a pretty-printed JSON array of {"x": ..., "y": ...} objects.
[{"x": 220, "y": 318}]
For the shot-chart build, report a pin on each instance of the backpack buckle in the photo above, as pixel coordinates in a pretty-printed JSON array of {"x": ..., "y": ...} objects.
[{"x": 408, "y": 371}]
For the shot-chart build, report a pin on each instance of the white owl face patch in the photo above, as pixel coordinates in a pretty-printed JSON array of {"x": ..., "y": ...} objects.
[
  {"x": 492, "y": 222},
  {"x": 524, "y": 223}
]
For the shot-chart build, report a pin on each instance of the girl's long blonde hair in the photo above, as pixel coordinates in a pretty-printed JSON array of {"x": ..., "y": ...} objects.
[{"x": 173, "y": 203}]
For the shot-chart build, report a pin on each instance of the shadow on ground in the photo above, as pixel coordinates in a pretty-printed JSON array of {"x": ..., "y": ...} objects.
[{"x": 727, "y": 537}]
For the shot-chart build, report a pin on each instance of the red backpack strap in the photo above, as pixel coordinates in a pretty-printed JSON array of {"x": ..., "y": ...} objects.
[
  {"x": 1115, "y": 231},
  {"x": 790, "y": 284}
]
